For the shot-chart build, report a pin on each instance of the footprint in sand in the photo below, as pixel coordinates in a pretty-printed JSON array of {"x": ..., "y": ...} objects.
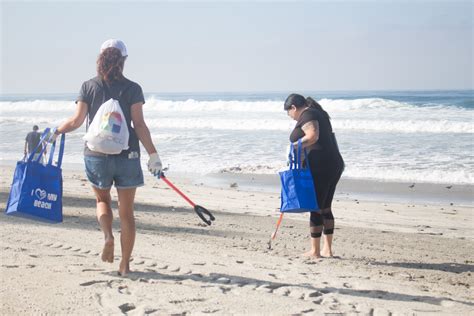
[
  {"x": 332, "y": 303},
  {"x": 139, "y": 262},
  {"x": 225, "y": 289},
  {"x": 314, "y": 294},
  {"x": 93, "y": 282},
  {"x": 283, "y": 291},
  {"x": 307, "y": 311},
  {"x": 210, "y": 311},
  {"x": 126, "y": 307},
  {"x": 265, "y": 287},
  {"x": 249, "y": 285},
  {"x": 123, "y": 289}
]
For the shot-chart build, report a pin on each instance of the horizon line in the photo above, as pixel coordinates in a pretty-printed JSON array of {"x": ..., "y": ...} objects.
[{"x": 254, "y": 92}]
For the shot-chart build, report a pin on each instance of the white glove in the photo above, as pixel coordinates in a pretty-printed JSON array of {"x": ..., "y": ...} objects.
[{"x": 154, "y": 164}]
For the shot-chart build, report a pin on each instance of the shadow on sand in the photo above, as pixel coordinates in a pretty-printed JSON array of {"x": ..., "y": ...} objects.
[{"x": 226, "y": 281}]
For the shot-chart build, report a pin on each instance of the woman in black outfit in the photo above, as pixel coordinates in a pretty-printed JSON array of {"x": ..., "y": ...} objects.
[{"x": 314, "y": 129}]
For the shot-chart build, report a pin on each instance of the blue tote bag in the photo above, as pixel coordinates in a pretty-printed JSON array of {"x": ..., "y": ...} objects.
[
  {"x": 297, "y": 186},
  {"x": 37, "y": 188}
]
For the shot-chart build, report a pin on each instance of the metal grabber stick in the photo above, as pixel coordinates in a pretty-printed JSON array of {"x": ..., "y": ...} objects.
[
  {"x": 275, "y": 232},
  {"x": 200, "y": 211}
]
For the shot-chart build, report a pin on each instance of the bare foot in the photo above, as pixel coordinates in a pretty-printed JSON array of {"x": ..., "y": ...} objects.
[
  {"x": 124, "y": 269},
  {"x": 108, "y": 251},
  {"x": 326, "y": 253},
  {"x": 312, "y": 254}
]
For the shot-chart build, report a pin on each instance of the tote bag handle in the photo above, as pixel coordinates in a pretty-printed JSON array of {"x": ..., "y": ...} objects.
[
  {"x": 296, "y": 163},
  {"x": 44, "y": 137},
  {"x": 61, "y": 151}
]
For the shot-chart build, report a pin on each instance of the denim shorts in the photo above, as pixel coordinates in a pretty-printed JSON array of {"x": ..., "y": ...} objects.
[{"x": 124, "y": 173}]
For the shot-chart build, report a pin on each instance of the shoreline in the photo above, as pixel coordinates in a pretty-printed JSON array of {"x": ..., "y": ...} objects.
[
  {"x": 361, "y": 189},
  {"x": 374, "y": 190}
]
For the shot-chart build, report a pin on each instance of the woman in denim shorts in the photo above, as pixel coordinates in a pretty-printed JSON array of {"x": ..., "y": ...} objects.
[{"x": 122, "y": 170}]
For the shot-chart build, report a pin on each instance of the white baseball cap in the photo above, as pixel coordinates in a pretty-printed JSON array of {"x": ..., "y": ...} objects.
[{"x": 116, "y": 44}]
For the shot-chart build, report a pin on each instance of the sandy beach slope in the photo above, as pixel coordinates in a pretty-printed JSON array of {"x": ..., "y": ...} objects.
[{"x": 391, "y": 258}]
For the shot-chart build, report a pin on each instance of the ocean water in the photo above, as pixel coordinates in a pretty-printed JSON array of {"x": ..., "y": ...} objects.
[{"x": 422, "y": 136}]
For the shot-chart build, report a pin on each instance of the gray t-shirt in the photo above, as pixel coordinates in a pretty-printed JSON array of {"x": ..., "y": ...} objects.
[
  {"x": 32, "y": 139},
  {"x": 95, "y": 92}
]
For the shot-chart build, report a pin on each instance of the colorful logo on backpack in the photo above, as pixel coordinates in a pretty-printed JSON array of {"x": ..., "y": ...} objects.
[{"x": 112, "y": 122}]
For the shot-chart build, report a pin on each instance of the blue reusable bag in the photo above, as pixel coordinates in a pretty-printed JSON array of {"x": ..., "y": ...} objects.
[
  {"x": 297, "y": 186},
  {"x": 37, "y": 188}
]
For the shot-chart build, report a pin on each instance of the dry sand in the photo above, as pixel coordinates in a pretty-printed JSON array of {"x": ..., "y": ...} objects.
[{"x": 392, "y": 258}]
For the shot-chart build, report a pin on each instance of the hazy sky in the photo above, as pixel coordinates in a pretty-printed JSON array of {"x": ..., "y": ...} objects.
[{"x": 51, "y": 47}]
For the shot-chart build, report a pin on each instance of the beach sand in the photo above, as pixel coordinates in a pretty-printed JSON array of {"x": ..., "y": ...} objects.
[{"x": 392, "y": 258}]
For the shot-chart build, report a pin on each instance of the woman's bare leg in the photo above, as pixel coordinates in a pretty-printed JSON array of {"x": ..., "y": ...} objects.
[
  {"x": 315, "y": 248},
  {"x": 328, "y": 232},
  {"x": 327, "y": 246},
  {"x": 127, "y": 224},
  {"x": 105, "y": 217},
  {"x": 315, "y": 229}
]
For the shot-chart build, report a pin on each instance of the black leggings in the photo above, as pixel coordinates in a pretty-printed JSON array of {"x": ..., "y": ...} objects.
[
  {"x": 319, "y": 223},
  {"x": 325, "y": 186}
]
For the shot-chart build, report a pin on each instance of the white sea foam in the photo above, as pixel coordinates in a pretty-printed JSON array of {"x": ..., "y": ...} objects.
[
  {"x": 25, "y": 107},
  {"x": 387, "y": 126},
  {"x": 213, "y": 106},
  {"x": 407, "y": 126},
  {"x": 460, "y": 176},
  {"x": 357, "y": 104},
  {"x": 379, "y": 138}
]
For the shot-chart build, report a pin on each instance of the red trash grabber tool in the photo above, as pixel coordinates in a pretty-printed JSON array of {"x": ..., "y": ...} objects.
[{"x": 200, "y": 211}]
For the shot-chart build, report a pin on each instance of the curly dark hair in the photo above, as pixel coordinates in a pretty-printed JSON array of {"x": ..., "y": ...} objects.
[{"x": 110, "y": 64}]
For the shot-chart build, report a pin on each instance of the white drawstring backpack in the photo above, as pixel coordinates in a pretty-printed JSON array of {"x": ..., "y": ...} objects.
[{"x": 108, "y": 131}]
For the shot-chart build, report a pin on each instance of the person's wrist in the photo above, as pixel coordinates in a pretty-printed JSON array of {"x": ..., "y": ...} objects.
[{"x": 57, "y": 132}]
